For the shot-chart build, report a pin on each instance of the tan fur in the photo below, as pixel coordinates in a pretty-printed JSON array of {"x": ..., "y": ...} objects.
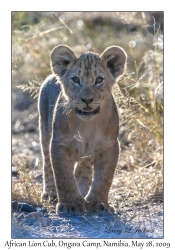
[{"x": 80, "y": 149}]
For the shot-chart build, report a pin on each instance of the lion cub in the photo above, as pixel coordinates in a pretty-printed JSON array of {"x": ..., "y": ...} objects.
[{"x": 79, "y": 126}]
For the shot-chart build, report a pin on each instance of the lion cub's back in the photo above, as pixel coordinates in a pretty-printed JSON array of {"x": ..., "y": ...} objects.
[{"x": 48, "y": 96}]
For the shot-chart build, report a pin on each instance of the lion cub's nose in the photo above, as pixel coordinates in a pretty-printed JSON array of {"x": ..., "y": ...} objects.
[{"x": 87, "y": 101}]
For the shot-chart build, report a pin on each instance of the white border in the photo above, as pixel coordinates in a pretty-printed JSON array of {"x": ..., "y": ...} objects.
[{"x": 5, "y": 98}]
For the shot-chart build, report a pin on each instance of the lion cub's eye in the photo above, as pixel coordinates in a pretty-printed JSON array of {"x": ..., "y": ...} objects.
[
  {"x": 99, "y": 80},
  {"x": 76, "y": 80}
]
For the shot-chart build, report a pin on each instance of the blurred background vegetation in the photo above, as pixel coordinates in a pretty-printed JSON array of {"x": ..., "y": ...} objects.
[{"x": 139, "y": 94}]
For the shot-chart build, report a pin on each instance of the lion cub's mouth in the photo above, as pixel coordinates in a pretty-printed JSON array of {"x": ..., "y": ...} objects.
[{"x": 87, "y": 111}]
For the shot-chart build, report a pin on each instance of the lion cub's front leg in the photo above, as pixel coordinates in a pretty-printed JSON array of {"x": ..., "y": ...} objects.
[
  {"x": 70, "y": 200},
  {"x": 104, "y": 167}
]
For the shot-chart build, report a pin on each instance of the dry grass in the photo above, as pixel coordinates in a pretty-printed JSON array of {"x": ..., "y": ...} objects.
[
  {"x": 25, "y": 189},
  {"x": 139, "y": 95}
]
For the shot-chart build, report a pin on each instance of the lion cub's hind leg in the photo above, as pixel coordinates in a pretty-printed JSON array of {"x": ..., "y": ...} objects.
[
  {"x": 83, "y": 175},
  {"x": 49, "y": 189}
]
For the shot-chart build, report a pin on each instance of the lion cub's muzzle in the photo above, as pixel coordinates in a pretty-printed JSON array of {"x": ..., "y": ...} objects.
[{"x": 88, "y": 107}]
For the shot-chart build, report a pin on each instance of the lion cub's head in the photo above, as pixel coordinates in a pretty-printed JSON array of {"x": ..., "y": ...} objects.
[{"x": 87, "y": 80}]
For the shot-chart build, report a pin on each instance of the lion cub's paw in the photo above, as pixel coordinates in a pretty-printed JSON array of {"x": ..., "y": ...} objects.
[
  {"x": 104, "y": 207},
  {"x": 52, "y": 197},
  {"x": 78, "y": 207}
]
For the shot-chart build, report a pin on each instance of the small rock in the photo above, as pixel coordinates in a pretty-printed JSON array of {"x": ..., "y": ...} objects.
[
  {"x": 22, "y": 100},
  {"x": 117, "y": 197},
  {"x": 160, "y": 213},
  {"x": 42, "y": 210},
  {"x": 14, "y": 171},
  {"x": 39, "y": 178},
  {"x": 22, "y": 207},
  {"x": 56, "y": 223},
  {"x": 31, "y": 127}
]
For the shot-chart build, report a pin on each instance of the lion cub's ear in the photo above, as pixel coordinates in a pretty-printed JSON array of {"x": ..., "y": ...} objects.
[
  {"x": 62, "y": 57},
  {"x": 115, "y": 58}
]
